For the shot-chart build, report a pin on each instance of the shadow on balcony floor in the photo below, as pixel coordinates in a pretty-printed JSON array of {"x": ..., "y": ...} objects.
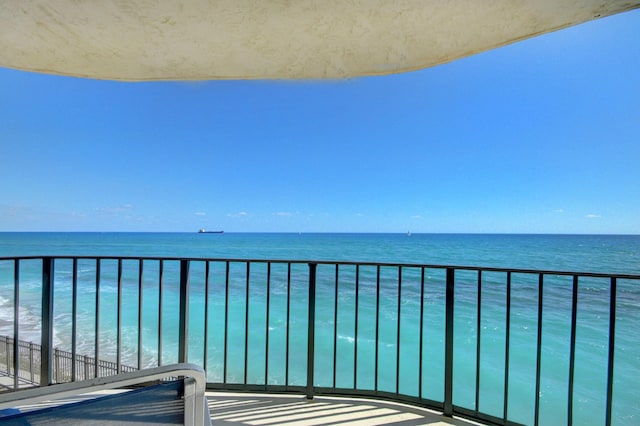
[{"x": 260, "y": 409}]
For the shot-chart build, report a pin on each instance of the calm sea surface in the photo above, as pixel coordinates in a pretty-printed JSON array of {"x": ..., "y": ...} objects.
[
  {"x": 581, "y": 253},
  {"x": 601, "y": 253}
]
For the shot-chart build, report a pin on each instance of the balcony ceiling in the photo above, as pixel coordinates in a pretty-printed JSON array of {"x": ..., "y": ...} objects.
[{"x": 269, "y": 39}]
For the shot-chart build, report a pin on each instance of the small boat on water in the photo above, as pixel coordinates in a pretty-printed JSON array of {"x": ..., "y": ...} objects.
[{"x": 204, "y": 231}]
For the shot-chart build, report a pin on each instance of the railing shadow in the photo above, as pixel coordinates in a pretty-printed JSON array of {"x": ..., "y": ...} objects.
[{"x": 258, "y": 409}]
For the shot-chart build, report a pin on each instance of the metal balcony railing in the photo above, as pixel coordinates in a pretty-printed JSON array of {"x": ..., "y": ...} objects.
[{"x": 420, "y": 334}]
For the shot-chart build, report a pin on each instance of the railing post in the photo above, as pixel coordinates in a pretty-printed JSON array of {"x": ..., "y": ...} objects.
[
  {"x": 31, "y": 362},
  {"x": 16, "y": 323},
  {"x": 183, "y": 331},
  {"x": 46, "y": 342},
  {"x": 86, "y": 368},
  {"x": 611, "y": 349},
  {"x": 311, "y": 328},
  {"x": 74, "y": 319},
  {"x": 56, "y": 360},
  {"x": 96, "y": 355},
  {"x": 8, "y": 357},
  {"x": 119, "y": 320},
  {"x": 140, "y": 292},
  {"x": 448, "y": 351}
]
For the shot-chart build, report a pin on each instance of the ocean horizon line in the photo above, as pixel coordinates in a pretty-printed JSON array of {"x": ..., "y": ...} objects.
[{"x": 411, "y": 233}]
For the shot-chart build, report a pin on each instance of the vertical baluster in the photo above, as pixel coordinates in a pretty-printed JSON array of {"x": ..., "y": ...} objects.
[
  {"x": 506, "y": 349},
  {"x": 421, "y": 338},
  {"x": 140, "y": 291},
  {"x": 119, "y": 320},
  {"x": 86, "y": 368},
  {"x": 399, "y": 314},
  {"x": 448, "y": 352},
  {"x": 160, "y": 293},
  {"x": 74, "y": 319},
  {"x": 246, "y": 324},
  {"x": 536, "y": 419},
  {"x": 97, "y": 321},
  {"x": 311, "y": 329},
  {"x": 183, "y": 330},
  {"x": 478, "y": 338},
  {"x": 335, "y": 327},
  {"x": 31, "y": 366},
  {"x": 46, "y": 359},
  {"x": 16, "y": 323},
  {"x": 226, "y": 321},
  {"x": 56, "y": 363},
  {"x": 355, "y": 342},
  {"x": 206, "y": 315},
  {"x": 7, "y": 353},
  {"x": 266, "y": 351},
  {"x": 612, "y": 345},
  {"x": 286, "y": 372},
  {"x": 572, "y": 353},
  {"x": 377, "y": 341}
]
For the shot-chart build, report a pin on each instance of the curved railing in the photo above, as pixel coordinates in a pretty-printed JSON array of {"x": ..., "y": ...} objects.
[{"x": 503, "y": 346}]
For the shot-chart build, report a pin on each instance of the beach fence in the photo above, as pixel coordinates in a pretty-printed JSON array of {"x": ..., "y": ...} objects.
[{"x": 30, "y": 356}]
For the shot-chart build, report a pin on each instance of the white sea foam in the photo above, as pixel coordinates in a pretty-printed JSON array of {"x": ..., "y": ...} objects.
[
  {"x": 29, "y": 322},
  {"x": 349, "y": 339}
]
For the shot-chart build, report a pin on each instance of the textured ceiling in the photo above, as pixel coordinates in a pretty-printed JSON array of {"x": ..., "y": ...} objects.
[{"x": 269, "y": 39}]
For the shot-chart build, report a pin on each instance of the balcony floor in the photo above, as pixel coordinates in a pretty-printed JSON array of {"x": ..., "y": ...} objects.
[
  {"x": 236, "y": 409},
  {"x": 233, "y": 409}
]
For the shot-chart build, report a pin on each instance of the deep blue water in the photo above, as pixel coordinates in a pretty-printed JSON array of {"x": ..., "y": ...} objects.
[
  {"x": 598, "y": 253},
  {"x": 583, "y": 253}
]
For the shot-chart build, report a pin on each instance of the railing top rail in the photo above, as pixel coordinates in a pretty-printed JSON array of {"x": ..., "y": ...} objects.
[
  {"x": 341, "y": 262},
  {"x": 62, "y": 390}
]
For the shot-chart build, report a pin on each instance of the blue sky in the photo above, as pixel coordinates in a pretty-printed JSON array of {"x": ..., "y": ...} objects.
[{"x": 542, "y": 136}]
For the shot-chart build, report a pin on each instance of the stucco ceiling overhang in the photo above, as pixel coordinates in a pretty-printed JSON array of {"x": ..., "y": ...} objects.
[{"x": 137, "y": 40}]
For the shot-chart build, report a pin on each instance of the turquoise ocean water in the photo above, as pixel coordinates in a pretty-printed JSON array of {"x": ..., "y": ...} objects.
[{"x": 582, "y": 253}]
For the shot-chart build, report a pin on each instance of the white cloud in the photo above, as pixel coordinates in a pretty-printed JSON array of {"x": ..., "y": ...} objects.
[
  {"x": 14, "y": 210},
  {"x": 200, "y": 213},
  {"x": 416, "y": 216},
  {"x": 593, "y": 216},
  {"x": 125, "y": 208},
  {"x": 283, "y": 214},
  {"x": 558, "y": 211},
  {"x": 239, "y": 214}
]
